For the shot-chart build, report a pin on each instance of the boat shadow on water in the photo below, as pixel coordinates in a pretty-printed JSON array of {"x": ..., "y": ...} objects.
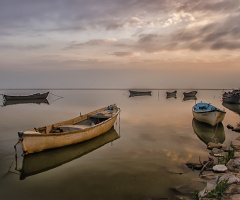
[
  {"x": 33, "y": 164},
  {"x": 208, "y": 133}
]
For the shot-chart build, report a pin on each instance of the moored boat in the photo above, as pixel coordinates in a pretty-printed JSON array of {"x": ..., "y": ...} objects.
[
  {"x": 231, "y": 97},
  {"x": 208, "y": 113},
  {"x": 190, "y": 94},
  {"x": 140, "y": 93},
  {"x": 39, "y": 162},
  {"x": 73, "y": 131},
  {"x": 26, "y": 97}
]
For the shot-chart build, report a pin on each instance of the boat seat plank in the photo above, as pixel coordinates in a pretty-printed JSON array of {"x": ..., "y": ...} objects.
[{"x": 66, "y": 128}]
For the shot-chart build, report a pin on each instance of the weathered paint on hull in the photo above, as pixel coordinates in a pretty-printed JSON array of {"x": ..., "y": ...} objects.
[
  {"x": 40, "y": 142},
  {"x": 211, "y": 118}
]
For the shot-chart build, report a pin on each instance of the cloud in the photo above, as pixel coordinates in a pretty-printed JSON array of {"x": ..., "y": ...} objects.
[
  {"x": 23, "y": 47},
  {"x": 126, "y": 54},
  {"x": 96, "y": 42}
]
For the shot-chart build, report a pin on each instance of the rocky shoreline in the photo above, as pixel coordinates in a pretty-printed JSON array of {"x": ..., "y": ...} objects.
[{"x": 225, "y": 171}]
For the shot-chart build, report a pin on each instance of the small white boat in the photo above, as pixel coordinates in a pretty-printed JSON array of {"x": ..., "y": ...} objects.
[
  {"x": 73, "y": 131},
  {"x": 205, "y": 112}
]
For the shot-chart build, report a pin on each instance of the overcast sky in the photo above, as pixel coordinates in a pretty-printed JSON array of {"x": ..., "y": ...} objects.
[{"x": 119, "y": 43}]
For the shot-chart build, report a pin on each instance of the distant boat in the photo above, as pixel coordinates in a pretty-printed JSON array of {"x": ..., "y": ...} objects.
[
  {"x": 208, "y": 133},
  {"x": 208, "y": 113},
  {"x": 231, "y": 97},
  {"x": 140, "y": 93},
  {"x": 190, "y": 94},
  {"x": 26, "y": 97},
  {"x": 40, "y": 162},
  {"x": 189, "y": 98},
  {"x": 25, "y": 101},
  {"x": 79, "y": 129},
  {"x": 172, "y": 94}
]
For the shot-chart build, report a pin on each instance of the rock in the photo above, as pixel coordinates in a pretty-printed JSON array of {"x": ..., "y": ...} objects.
[
  {"x": 233, "y": 189},
  {"x": 220, "y": 168},
  {"x": 230, "y": 177},
  {"x": 234, "y": 165},
  {"x": 235, "y": 197},
  {"x": 196, "y": 166},
  {"x": 211, "y": 185},
  {"x": 238, "y": 138},
  {"x": 208, "y": 176},
  {"x": 188, "y": 188},
  {"x": 229, "y": 126},
  {"x": 225, "y": 148},
  {"x": 212, "y": 145},
  {"x": 237, "y": 129},
  {"x": 236, "y": 147},
  {"x": 236, "y": 154},
  {"x": 218, "y": 152}
]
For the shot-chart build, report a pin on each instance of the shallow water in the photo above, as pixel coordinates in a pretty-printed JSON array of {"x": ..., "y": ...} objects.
[{"x": 139, "y": 159}]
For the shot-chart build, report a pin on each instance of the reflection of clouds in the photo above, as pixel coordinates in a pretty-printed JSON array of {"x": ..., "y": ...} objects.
[{"x": 176, "y": 156}]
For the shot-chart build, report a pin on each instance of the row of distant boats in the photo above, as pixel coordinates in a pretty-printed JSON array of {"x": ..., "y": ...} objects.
[
  {"x": 228, "y": 97},
  {"x": 93, "y": 124},
  {"x": 169, "y": 94}
]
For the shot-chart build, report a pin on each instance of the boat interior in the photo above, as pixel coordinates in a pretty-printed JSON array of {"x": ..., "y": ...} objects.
[{"x": 80, "y": 123}]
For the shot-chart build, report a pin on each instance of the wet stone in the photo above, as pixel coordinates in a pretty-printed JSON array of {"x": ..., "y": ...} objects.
[
  {"x": 234, "y": 165},
  {"x": 212, "y": 145},
  {"x": 230, "y": 177},
  {"x": 220, "y": 168}
]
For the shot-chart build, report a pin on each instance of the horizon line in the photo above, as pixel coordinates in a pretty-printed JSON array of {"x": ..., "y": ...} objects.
[{"x": 117, "y": 88}]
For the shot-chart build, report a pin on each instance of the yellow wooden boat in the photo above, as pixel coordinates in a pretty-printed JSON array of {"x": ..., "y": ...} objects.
[
  {"x": 39, "y": 162},
  {"x": 73, "y": 131}
]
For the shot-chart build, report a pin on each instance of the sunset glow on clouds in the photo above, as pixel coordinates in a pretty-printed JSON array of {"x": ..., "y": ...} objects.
[{"x": 120, "y": 35}]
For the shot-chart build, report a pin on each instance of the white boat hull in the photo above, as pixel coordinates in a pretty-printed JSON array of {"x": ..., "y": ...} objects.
[{"x": 212, "y": 118}]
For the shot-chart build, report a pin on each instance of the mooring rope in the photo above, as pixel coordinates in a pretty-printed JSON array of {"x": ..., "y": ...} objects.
[{"x": 56, "y": 95}]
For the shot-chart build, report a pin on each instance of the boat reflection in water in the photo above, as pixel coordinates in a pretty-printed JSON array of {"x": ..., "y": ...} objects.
[
  {"x": 208, "y": 133},
  {"x": 233, "y": 107},
  {"x": 39, "y": 162},
  {"x": 189, "y": 98},
  {"x": 25, "y": 101},
  {"x": 171, "y": 94}
]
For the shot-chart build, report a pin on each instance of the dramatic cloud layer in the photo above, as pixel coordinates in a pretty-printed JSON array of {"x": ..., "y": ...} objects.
[{"x": 117, "y": 34}]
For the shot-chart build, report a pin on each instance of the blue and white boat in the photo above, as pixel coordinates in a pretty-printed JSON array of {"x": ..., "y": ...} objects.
[{"x": 205, "y": 112}]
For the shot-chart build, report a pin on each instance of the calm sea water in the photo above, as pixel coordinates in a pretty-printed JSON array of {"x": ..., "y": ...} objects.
[{"x": 139, "y": 159}]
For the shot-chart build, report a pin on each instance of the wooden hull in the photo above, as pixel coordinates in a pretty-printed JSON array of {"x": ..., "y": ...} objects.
[
  {"x": 39, "y": 162},
  {"x": 135, "y": 92},
  {"x": 33, "y": 96},
  {"x": 211, "y": 117},
  {"x": 33, "y": 141}
]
